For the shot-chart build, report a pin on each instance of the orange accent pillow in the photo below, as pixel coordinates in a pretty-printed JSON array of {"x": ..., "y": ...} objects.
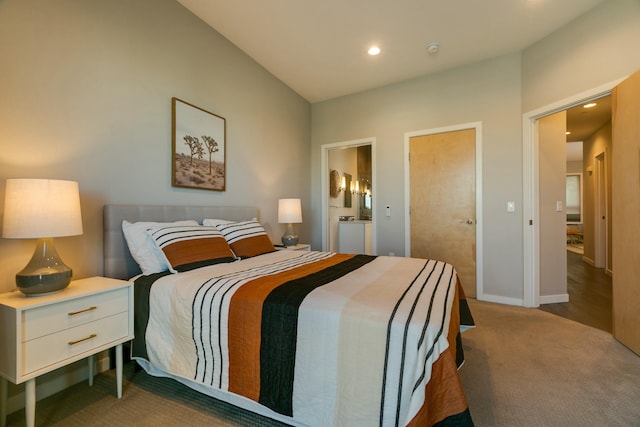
[
  {"x": 189, "y": 247},
  {"x": 246, "y": 238}
]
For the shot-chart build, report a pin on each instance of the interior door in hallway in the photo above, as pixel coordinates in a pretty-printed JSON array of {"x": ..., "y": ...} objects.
[
  {"x": 626, "y": 210},
  {"x": 443, "y": 201}
]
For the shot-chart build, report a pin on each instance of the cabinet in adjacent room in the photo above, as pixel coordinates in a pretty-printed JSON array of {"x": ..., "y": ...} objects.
[{"x": 354, "y": 237}]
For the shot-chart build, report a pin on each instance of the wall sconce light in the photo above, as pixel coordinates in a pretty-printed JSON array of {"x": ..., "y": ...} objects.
[
  {"x": 42, "y": 209},
  {"x": 358, "y": 190}
]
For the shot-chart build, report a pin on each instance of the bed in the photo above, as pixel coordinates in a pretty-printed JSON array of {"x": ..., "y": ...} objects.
[{"x": 308, "y": 338}]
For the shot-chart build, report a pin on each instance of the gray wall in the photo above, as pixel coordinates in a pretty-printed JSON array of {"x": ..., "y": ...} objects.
[
  {"x": 597, "y": 48},
  {"x": 488, "y": 92},
  {"x": 86, "y": 95}
]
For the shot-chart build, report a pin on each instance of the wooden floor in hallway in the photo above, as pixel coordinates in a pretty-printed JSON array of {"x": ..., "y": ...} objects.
[{"x": 589, "y": 291}]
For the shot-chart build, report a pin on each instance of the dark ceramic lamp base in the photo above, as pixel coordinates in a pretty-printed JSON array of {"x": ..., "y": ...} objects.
[
  {"x": 290, "y": 238},
  {"x": 45, "y": 273}
]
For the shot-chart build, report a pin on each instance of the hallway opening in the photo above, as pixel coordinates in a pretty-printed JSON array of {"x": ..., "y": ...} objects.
[{"x": 590, "y": 297}]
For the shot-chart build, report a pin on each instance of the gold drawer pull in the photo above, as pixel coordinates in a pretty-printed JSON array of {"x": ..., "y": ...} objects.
[
  {"x": 83, "y": 339},
  {"x": 73, "y": 313}
]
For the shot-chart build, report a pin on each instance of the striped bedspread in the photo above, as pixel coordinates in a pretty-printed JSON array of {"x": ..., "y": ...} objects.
[{"x": 327, "y": 339}]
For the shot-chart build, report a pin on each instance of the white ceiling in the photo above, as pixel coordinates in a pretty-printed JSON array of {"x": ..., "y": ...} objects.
[{"x": 319, "y": 48}]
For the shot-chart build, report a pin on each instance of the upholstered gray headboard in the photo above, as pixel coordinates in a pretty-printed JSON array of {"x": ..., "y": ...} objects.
[{"x": 118, "y": 262}]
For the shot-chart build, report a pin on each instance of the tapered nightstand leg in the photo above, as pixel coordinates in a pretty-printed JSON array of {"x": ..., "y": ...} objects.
[
  {"x": 30, "y": 402},
  {"x": 92, "y": 367},
  {"x": 119, "y": 369},
  {"x": 3, "y": 401}
]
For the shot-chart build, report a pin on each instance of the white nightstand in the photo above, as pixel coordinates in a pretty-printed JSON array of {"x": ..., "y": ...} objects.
[
  {"x": 41, "y": 333},
  {"x": 298, "y": 247}
]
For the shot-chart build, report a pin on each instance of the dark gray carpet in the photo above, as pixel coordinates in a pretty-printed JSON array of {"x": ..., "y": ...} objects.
[
  {"x": 526, "y": 367},
  {"x": 146, "y": 401}
]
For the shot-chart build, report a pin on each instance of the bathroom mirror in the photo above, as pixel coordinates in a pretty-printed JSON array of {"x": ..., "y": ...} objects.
[{"x": 347, "y": 189}]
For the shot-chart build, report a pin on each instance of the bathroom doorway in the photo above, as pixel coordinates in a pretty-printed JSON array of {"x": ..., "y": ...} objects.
[{"x": 348, "y": 176}]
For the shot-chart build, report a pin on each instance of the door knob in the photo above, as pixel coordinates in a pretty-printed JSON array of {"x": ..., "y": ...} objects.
[{"x": 468, "y": 221}]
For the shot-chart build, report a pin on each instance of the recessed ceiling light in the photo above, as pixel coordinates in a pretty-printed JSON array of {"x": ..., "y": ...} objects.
[
  {"x": 374, "y": 50},
  {"x": 589, "y": 105},
  {"x": 568, "y": 132}
]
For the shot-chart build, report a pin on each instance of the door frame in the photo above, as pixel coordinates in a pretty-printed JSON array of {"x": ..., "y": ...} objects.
[
  {"x": 477, "y": 126},
  {"x": 324, "y": 180},
  {"x": 530, "y": 186},
  {"x": 601, "y": 240}
]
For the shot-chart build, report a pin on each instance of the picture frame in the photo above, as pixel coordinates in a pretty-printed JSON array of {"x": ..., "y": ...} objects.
[
  {"x": 334, "y": 184},
  {"x": 198, "y": 147}
]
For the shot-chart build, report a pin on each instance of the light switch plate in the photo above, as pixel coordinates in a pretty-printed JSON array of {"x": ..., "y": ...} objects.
[
  {"x": 511, "y": 206},
  {"x": 558, "y": 205}
]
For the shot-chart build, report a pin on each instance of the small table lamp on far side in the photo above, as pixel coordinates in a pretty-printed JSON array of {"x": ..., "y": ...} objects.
[
  {"x": 289, "y": 212},
  {"x": 42, "y": 209}
]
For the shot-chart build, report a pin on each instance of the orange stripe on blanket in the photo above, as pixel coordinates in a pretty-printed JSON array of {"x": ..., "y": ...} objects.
[
  {"x": 444, "y": 394},
  {"x": 245, "y": 324}
]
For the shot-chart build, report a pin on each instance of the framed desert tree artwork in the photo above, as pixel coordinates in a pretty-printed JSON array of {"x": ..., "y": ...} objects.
[{"x": 198, "y": 147}]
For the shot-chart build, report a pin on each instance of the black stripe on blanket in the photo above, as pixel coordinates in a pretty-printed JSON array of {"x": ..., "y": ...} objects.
[
  {"x": 141, "y": 289},
  {"x": 463, "y": 419},
  {"x": 212, "y": 297},
  {"x": 280, "y": 330},
  {"x": 466, "y": 319}
]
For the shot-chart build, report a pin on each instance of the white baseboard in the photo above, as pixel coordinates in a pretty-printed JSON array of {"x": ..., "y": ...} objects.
[
  {"x": 552, "y": 299},
  {"x": 544, "y": 299},
  {"x": 501, "y": 300},
  {"x": 55, "y": 381}
]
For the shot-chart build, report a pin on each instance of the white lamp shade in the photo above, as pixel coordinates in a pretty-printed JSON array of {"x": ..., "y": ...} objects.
[
  {"x": 41, "y": 208},
  {"x": 289, "y": 211}
]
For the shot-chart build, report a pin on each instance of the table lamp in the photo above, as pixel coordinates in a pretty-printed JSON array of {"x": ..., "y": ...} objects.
[
  {"x": 42, "y": 209},
  {"x": 289, "y": 212}
]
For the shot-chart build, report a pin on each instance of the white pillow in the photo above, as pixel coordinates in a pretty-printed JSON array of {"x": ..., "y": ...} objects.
[
  {"x": 212, "y": 222},
  {"x": 142, "y": 247}
]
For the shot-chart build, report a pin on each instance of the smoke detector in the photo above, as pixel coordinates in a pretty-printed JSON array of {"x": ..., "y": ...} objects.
[{"x": 433, "y": 48}]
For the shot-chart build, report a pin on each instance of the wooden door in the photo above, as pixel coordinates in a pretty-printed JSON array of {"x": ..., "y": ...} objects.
[
  {"x": 626, "y": 212},
  {"x": 443, "y": 201}
]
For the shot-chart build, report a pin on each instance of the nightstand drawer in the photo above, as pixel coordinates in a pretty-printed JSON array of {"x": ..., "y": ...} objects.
[
  {"x": 48, "y": 319},
  {"x": 46, "y": 350}
]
